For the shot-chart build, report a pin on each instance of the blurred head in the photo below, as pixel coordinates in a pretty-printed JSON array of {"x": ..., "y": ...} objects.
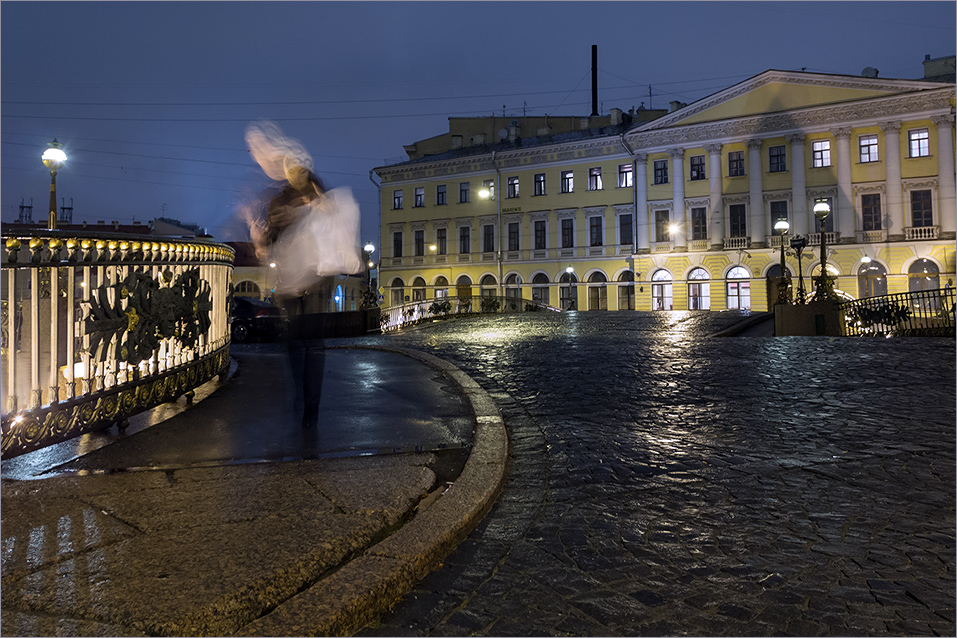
[{"x": 297, "y": 175}]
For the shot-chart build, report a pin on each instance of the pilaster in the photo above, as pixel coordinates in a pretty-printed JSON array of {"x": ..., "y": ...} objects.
[
  {"x": 756, "y": 223},
  {"x": 846, "y": 222},
  {"x": 892, "y": 175},
  {"x": 799, "y": 213},
  {"x": 947, "y": 215},
  {"x": 716, "y": 225},
  {"x": 678, "y": 197}
]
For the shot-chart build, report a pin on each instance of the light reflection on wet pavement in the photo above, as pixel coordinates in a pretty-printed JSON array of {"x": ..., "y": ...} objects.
[{"x": 665, "y": 483}]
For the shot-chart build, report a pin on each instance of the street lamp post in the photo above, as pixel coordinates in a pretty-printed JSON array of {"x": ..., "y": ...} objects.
[
  {"x": 53, "y": 158},
  {"x": 569, "y": 272},
  {"x": 782, "y": 226},
  {"x": 821, "y": 211},
  {"x": 798, "y": 244},
  {"x": 370, "y": 294}
]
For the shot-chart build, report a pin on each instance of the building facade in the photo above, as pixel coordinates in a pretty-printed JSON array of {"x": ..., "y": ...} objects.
[{"x": 679, "y": 212}]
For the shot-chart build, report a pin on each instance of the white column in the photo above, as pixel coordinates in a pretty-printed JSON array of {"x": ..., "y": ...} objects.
[
  {"x": 799, "y": 214},
  {"x": 716, "y": 231},
  {"x": 893, "y": 220},
  {"x": 946, "y": 213},
  {"x": 641, "y": 203},
  {"x": 679, "y": 215},
  {"x": 756, "y": 221},
  {"x": 846, "y": 222}
]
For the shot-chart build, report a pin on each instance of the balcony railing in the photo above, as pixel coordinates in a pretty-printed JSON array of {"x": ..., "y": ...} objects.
[
  {"x": 735, "y": 243},
  {"x": 833, "y": 238},
  {"x": 921, "y": 232},
  {"x": 912, "y": 314},
  {"x": 98, "y": 327},
  {"x": 426, "y": 310},
  {"x": 872, "y": 236}
]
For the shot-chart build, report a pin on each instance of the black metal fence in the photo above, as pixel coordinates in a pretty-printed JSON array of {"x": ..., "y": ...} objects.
[{"x": 925, "y": 313}]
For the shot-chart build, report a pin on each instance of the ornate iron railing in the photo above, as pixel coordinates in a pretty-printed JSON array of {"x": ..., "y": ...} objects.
[
  {"x": 97, "y": 327},
  {"x": 407, "y": 314},
  {"x": 913, "y": 314}
]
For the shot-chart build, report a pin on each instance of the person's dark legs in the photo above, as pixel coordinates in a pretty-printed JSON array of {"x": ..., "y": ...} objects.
[{"x": 314, "y": 361}]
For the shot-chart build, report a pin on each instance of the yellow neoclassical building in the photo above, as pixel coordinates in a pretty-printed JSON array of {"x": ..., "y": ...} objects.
[{"x": 681, "y": 210}]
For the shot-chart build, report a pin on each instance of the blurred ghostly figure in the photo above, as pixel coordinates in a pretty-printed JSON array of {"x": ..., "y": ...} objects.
[{"x": 310, "y": 234}]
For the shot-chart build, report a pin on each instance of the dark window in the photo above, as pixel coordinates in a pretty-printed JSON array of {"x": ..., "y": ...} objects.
[
  {"x": 465, "y": 240},
  {"x": 595, "y": 231},
  {"x": 488, "y": 238},
  {"x": 396, "y": 244},
  {"x": 440, "y": 195},
  {"x": 397, "y": 200},
  {"x": 419, "y": 243},
  {"x": 568, "y": 233},
  {"x": 779, "y": 212},
  {"x": 699, "y": 223},
  {"x": 828, "y": 221},
  {"x": 540, "y": 235},
  {"x": 626, "y": 231},
  {"x": 662, "y": 223},
  {"x": 871, "y": 211},
  {"x": 540, "y": 184},
  {"x": 419, "y": 197},
  {"x": 513, "y": 229},
  {"x": 738, "y": 219},
  {"x": 441, "y": 241},
  {"x": 512, "y": 188},
  {"x": 463, "y": 192},
  {"x": 921, "y": 210},
  {"x": 736, "y": 164},
  {"x": 661, "y": 171},
  {"x": 778, "y": 161},
  {"x": 568, "y": 181},
  {"x": 697, "y": 168}
]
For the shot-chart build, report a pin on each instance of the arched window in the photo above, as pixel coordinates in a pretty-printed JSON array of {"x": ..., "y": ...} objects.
[
  {"x": 487, "y": 287},
  {"x": 567, "y": 291},
  {"x": 871, "y": 280},
  {"x": 247, "y": 288},
  {"x": 463, "y": 287},
  {"x": 662, "y": 293},
  {"x": 513, "y": 285},
  {"x": 923, "y": 275},
  {"x": 340, "y": 299},
  {"x": 699, "y": 290},
  {"x": 398, "y": 291},
  {"x": 739, "y": 292},
  {"x": 418, "y": 289},
  {"x": 597, "y": 291},
  {"x": 441, "y": 287},
  {"x": 626, "y": 290},
  {"x": 540, "y": 288}
]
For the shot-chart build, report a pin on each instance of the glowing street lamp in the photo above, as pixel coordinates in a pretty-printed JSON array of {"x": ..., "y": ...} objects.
[
  {"x": 782, "y": 227},
  {"x": 53, "y": 158},
  {"x": 821, "y": 211},
  {"x": 569, "y": 272}
]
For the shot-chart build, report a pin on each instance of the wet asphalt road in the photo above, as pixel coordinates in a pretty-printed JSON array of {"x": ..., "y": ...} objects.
[{"x": 665, "y": 483}]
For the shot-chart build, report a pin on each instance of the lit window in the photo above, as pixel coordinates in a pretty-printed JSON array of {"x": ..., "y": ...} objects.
[
  {"x": 739, "y": 292},
  {"x": 661, "y": 171},
  {"x": 777, "y": 159},
  {"x": 821, "y": 153},
  {"x": 868, "y": 146},
  {"x": 419, "y": 198},
  {"x": 568, "y": 181},
  {"x": 594, "y": 179},
  {"x": 625, "y": 176},
  {"x": 736, "y": 164},
  {"x": 919, "y": 142},
  {"x": 540, "y": 184},
  {"x": 512, "y": 187},
  {"x": 699, "y": 290},
  {"x": 489, "y": 185},
  {"x": 396, "y": 200}
]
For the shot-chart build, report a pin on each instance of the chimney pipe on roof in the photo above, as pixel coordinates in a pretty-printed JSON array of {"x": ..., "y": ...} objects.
[{"x": 594, "y": 80}]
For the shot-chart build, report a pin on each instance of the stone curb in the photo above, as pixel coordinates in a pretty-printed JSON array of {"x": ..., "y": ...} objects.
[
  {"x": 369, "y": 585},
  {"x": 744, "y": 324}
]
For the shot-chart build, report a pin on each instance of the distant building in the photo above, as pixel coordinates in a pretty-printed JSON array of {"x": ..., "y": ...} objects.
[
  {"x": 677, "y": 210},
  {"x": 160, "y": 227}
]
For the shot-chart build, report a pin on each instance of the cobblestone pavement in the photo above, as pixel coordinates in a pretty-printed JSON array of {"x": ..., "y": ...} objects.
[{"x": 665, "y": 483}]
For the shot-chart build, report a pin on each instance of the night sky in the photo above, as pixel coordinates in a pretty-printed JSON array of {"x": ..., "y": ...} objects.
[{"x": 151, "y": 99}]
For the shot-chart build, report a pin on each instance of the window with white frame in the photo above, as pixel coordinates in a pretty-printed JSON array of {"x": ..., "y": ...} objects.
[
  {"x": 539, "y": 184},
  {"x": 736, "y": 164},
  {"x": 489, "y": 185},
  {"x": 868, "y": 148},
  {"x": 512, "y": 187},
  {"x": 419, "y": 197},
  {"x": 661, "y": 171},
  {"x": 699, "y": 290},
  {"x": 397, "y": 200},
  {"x": 568, "y": 181},
  {"x": 625, "y": 176},
  {"x": 739, "y": 289},
  {"x": 697, "y": 168},
  {"x": 662, "y": 290},
  {"x": 594, "y": 178},
  {"x": 918, "y": 142},
  {"x": 821, "y": 153}
]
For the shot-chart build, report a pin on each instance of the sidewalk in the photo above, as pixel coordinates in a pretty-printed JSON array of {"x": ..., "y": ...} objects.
[{"x": 271, "y": 545}]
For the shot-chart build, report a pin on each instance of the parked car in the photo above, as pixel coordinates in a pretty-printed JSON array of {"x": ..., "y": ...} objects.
[{"x": 252, "y": 318}]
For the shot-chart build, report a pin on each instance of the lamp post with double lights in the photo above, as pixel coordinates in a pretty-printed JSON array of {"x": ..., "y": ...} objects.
[
  {"x": 821, "y": 211},
  {"x": 53, "y": 158},
  {"x": 371, "y": 298},
  {"x": 798, "y": 244},
  {"x": 782, "y": 227}
]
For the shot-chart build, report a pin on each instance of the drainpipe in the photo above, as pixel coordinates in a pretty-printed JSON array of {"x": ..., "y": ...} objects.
[
  {"x": 379, "y": 215},
  {"x": 634, "y": 194}
]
